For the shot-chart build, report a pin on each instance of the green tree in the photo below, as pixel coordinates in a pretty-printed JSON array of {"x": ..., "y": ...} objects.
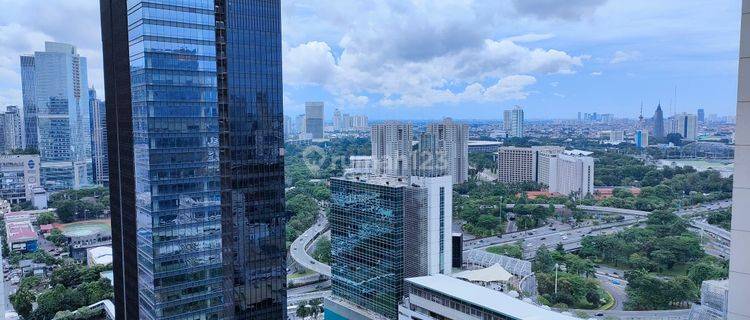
[
  {"x": 544, "y": 261},
  {"x": 22, "y": 302},
  {"x": 322, "y": 251}
]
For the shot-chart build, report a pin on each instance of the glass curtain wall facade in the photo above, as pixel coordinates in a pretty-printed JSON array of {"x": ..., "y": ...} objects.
[
  {"x": 29, "y": 101},
  {"x": 200, "y": 196},
  {"x": 368, "y": 240}
]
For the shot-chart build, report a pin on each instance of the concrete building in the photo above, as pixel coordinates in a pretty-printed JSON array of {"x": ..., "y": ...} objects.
[
  {"x": 360, "y": 122},
  {"x": 436, "y": 232},
  {"x": 516, "y": 164},
  {"x": 21, "y": 236},
  {"x": 453, "y": 142},
  {"x": 659, "y": 122},
  {"x": 314, "y": 119},
  {"x": 446, "y": 298},
  {"x": 99, "y": 256},
  {"x": 392, "y": 149},
  {"x": 513, "y": 122},
  {"x": 739, "y": 261},
  {"x": 61, "y": 116},
  {"x": 12, "y": 129},
  {"x": 19, "y": 175},
  {"x": 701, "y": 115},
  {"x": 614, "y": 137},
  {"x": 570, "y": 175},
  {"x": 684, "y": 124},
  {"x": 714, "y": 298},
  {"x": 99, "y": 162}
]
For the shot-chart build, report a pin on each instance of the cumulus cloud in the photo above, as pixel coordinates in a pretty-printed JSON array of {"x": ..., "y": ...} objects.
[
  {"x": 596, "y": 73},
  {"x": 625, "y": 56},
  {"x": 556, "y": 9}
]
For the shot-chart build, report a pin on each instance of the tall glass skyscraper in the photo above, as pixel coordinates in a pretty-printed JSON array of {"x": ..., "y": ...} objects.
[
  {"x": 55, "y": 95},
  {"x": 194, "y": 116},
  {"x": 98, "y": 124}
]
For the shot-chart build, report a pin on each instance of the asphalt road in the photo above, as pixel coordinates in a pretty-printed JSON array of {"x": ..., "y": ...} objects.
[{"x": 299, "y": 246}]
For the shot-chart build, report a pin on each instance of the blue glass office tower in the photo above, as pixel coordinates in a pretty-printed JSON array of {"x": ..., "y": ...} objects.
[{"x": 194, "y": 116}]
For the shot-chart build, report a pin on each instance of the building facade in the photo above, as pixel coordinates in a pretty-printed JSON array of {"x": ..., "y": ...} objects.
[
  {"x": 29, "y": 101},
  {"x": 99, "y": 162},
  {"x": 739, "y": 261},
  {"x": 513, "y": 122},
  {"x": 453, "y": 141},
  {"x": 686, "y": 125},
  {"x": 61, "y": 116},
  {"x": 19, "y": 175},
  {"x": 435, "y": 232},
  {"x": 659, "y": 122},
  {"x": 371, "y": 249},
  {"x": 516, "y": 164},
  {"x": 12, "y": 129},
  {"x": 571, "y": 175},
  {"x": 392, "y": 149},
  {"x": 641, "y": 139},
  {"x": 314, "y": 123},
  {"x": 195, "y": 123}
]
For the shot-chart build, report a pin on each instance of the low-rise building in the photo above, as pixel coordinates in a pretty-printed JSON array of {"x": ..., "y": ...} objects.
[
  {"x": 99, "y": 256},
  {"x": 447, "y": 298},
  {"x": 484, "y": 146},
  {"x": 21, "y": 236}
]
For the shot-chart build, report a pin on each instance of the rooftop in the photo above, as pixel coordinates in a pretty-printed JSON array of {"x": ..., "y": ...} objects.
[
  {"x": 377, "y": 180},
  {"x": 486, "y": 298},
  {"x": 19, "y": 231},
  {"x": 484, "y": 143}
]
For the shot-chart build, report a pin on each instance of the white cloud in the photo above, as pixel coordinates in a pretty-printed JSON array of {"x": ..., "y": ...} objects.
[
  {"x": 530, "y": 37},
  {"x": 596, "y": 73},
  {"x": 625, "y": 56}
]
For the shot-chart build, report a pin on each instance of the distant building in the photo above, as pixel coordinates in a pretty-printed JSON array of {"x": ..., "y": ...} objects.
[
  {"x": 516, "y": 164},
  {"x": 28, "y": 85},
  {"x": 614, "y": 137},
  {"x": 641, "y": 138},
  {"x": 19, "y": 175},
  {"x": 484, "y": 146},
  {"x": 99, "y": 163},
  {"x": 571, "y": 175},
  {"x": 61, "y": 115},
  {"x": 40, "y": 198},
  {"x": 360, "y": 122},
  {"x": 392, "y": 148},
  {"x": 453, "y": 143},
  {"x": 99, "y": 256},
  {"x": 686, "y": 125},
  {"x": 513, "y": 122},
  {"x": 659, "y": 123},
  {"x": 714, "y": 301},
  {"x": 12, "y": 128},
  {"x": 360, "y": 165},
  {"x": 376, "y": 223},
  {"x": 314, "y": 119},
  {"x": 299, "y": 124},
  {"x": 701, "y": 115},
  {"x": 447, "y": 298},
  {"x": 21, "y": 236}
]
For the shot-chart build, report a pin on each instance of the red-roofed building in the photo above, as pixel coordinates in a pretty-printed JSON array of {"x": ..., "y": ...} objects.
[
  {"x": 21, "y": 236},
  {"x": 608, "y": 192}
]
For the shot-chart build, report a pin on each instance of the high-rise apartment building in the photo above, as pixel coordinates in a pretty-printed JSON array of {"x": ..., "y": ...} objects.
[
  {"x": 658, "y": 122},
  {"x": 435, "y": 233},
  {"x": 739, "y": 261},
  {"x": 453, "y": 141},
  {"x": 684, "y": 124},
  {"x": 338, "y": 121},
  {"x": 516, "y": 164},
  {"x": 701, "y": 115},
  {"x": 513, "y": 122},
  {"x": 314, "y": 119},
  {"x": 641, "y": 139},
  {"x": 60, "y": 113},
  {"x": 194, "y": 116},
  {"x": 12, "y": 129},
  {"x": 391, "y": 149},
  {"x": 29, "y": 101},
  {"x": 99, "y": 163},
  {"x": 570, "y": 174},
  {"x": 299, "y": 124},
  {"x": 376, "y": 224}
]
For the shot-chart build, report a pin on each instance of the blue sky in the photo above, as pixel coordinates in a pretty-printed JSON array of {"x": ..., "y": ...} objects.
[{"x": 425, "y": 59}]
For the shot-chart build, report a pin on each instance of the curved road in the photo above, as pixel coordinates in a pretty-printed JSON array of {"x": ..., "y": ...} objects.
[{"x": 298, "y": 250}]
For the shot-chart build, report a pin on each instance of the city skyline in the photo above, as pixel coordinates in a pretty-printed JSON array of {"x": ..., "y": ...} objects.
[{"x": 577, "y": 72}]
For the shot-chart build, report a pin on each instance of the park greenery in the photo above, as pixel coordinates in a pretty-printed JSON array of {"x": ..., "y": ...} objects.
[
  {"x": 666, "y": 263},
  {"x": 721, "y": 218},
  {"x": 69, "y": 287},
  {"x": 576, "y": 288},
  {"x": 82, "y": 204},
  {"x": 322, "y": 250},
  {"x": 511, "y": 250}
]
